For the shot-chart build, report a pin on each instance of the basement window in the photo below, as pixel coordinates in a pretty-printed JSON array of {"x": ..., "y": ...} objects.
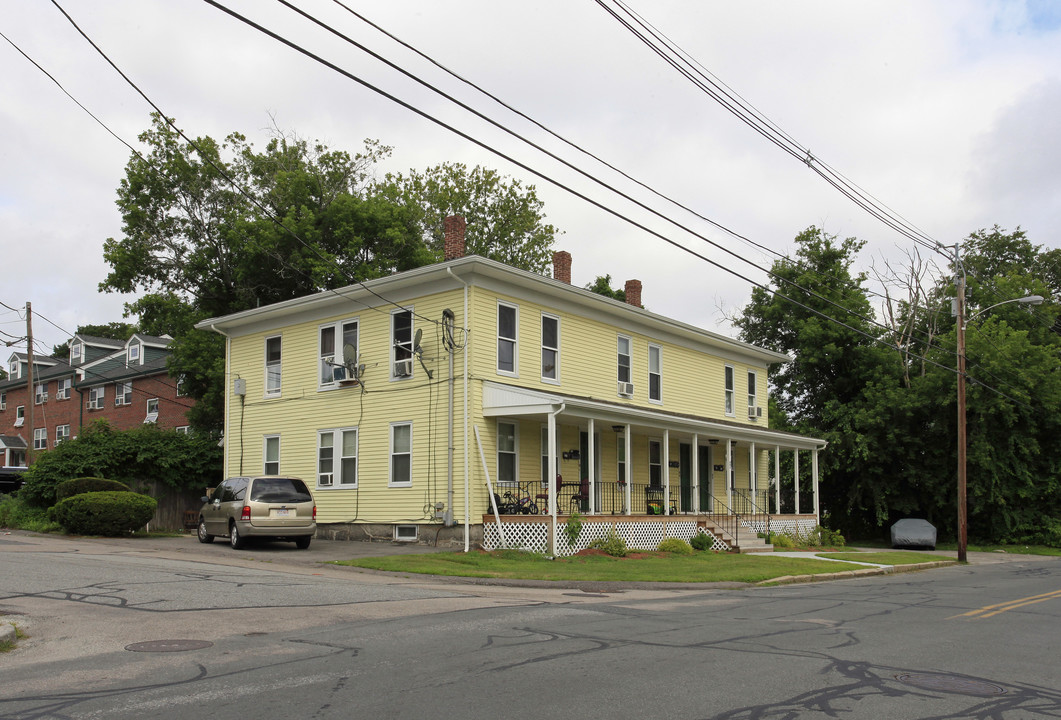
[{"x": 406, "y": 533}]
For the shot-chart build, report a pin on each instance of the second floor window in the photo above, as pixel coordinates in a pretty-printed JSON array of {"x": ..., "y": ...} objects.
[
  {"x": 96, "y": 397},
  {"x": 507, "y": 338},
  {"x": 20, "y": 415},
  {"x": 152, "y": 411},
  {"x": 730, "y": 392},
  {"x": 40, "y": 394},
  {"x": 752, "y": 400},
  {"x": 273, "y": 374},
  {"x": 336, "y": 343},
  {"x": 550, "y": 347},
  {"x": 402, "y": 344},
  {"x": 626, "y": 386},
  {"x": 655, "y": 373},
  {"x": 62, "y": 389},
  {"x": 123, "y": 394}
]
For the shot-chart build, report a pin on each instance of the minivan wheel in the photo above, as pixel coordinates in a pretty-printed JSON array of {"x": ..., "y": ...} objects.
[
  {"x": 303, "y": 542},
  {"x": 235, "y": 539},
  {"x": 204, "y": 536}
]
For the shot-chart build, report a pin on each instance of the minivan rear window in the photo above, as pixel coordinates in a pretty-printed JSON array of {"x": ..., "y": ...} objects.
[{"x": 279, "y": 490}]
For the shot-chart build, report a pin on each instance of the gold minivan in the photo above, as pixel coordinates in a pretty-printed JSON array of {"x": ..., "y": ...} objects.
[{"x": 271, "y": 506}]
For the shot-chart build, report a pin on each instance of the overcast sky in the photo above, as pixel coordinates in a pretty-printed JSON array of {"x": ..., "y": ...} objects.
[{"x": 944, "y": 111}]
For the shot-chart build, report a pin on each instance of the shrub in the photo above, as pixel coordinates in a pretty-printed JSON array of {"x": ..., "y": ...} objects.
[
  {"x": 105, "y": 513},
  {"x": 781, "y": 540},
  {"x": 702, "y": 541},
  {"x": 69, "y": 488},
  {"x": 676, "y": 546},
  {"x": 612, "y": 545},
  {"x": 829, "y": 537},
  {"x": 17, "y": 513},
  {"x": 573, "y": 527}
]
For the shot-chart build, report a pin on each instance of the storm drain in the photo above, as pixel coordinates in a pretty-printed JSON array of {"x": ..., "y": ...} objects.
[
  {"x": 169, "y": 646},
  {"x": 952, "y": 684}
]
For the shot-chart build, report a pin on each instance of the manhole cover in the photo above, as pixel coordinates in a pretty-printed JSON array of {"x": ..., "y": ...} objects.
[
  {"x": 952, "y": 684},
  {"x": 169, "y": 646}
]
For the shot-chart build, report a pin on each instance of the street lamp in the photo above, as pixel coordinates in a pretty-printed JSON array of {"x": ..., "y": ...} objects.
[{"x": 963, "y": 535}]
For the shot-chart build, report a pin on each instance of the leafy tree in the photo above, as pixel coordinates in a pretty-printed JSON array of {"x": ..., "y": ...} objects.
[
  {"x": 130, "y": 456},
  {"x": 603, "y": 286},
  {"x": 505, "y": 218}
]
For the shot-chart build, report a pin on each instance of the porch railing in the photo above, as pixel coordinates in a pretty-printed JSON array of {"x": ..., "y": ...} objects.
[{"x": 753, "y": 502}]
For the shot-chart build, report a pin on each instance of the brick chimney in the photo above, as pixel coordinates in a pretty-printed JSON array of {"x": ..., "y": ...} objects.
[
  {"x": 453, "y": 237},
  {"x": 633, "y": 292},
  {"x": 562, "y": 266}
]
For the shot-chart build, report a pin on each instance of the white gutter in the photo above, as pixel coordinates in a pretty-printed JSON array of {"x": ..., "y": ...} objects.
[{"x": 467, "y": 476}]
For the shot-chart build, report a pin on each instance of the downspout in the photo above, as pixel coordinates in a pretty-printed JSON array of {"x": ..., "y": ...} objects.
[
  {"x": 225, "y": 434},
  {"x": 467, "y": 475}
]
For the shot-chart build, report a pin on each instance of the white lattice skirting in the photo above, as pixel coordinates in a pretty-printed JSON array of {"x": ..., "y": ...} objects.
[
  {"x": 638, "y": 535},
  {"x": 801, "y": 526}
]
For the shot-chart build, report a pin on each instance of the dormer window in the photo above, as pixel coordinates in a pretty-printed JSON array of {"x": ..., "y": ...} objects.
[
  {"x": 134, "y": 354},
  {"x": 75, "y": 353},
  {"x": 13, "y": 368}
]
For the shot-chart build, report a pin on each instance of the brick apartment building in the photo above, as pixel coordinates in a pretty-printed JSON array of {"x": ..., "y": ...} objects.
[{"x": 125, "y": 383}]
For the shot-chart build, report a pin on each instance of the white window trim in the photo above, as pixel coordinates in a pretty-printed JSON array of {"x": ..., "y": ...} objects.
[
  {"x": 514, "y": 372},
  {"x": 75, "y": 352},
  {"x": 544, "y": 439},
  {"x": 544, "y": 347},
  {"x": 135, "y": 355},
  {"x": 265, "y": 453},
  {"x": 270, "y": 393},
  {"x": 62, "y": 389},
  {"x": 338, "y": 482},
  {"x": 394, "y": 346},
  {"x": 20, "y": 415},
  {"x": 152, "y": 415},
  {"x": 391, "y": 454},
  {"x": 97, "y": 396},
  {"x": 629, "y": 355},
  {"x": 659, "y": 350},
  {"x": 60, "y": 436},
  {"x": 339, "y": 335},
  {"x": 662, "y": 470},
  {"x": 40, "y": 438},
  {"x": 182, "y": 429},
  {"x": 515, "y": 453},
  {"x": 753, "y": 397},
  {"x": 40, "y": 393},
  {"x": 120, "y": 396},
  {"x": 729, "y": 397}
]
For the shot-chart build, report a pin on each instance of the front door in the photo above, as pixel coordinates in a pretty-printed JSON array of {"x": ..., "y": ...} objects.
[
  {"x": 685, "y": 476},
  {"x": 707, "y": 474}
]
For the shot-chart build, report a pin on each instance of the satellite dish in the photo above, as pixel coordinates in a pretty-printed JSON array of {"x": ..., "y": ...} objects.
[
  {"x": 350, "y": 361},
  {"x": 416, "y": 341}
]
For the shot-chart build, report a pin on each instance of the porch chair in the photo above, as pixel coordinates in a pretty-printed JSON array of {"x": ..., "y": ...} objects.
[
  {"x": 542, "y": 498},
  {"x": 582, "y": 496}
]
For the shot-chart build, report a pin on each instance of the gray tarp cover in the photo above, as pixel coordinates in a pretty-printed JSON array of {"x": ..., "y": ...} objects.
[{"x": 910, "y": 532}]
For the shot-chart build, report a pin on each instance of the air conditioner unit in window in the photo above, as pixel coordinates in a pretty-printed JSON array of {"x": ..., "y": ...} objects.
[
  {"x": 626, "y": 388},
  {"x": 403, "y": 368},
  {"x": 755, "y": 412},
  {"x": 324, "y": 480}
]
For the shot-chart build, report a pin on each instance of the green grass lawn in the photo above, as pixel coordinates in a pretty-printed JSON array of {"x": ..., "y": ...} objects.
[
  {"x": 654, "y": 567},
  {"x": 953, "y": 547}
]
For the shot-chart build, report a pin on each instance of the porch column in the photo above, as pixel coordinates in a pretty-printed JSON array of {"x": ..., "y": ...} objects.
[
  {"x": 695, "y": 500},
  {"x": 628, "y": 467},
  {"x": 590, "y": 467},
  {"x": 795, "y": 464},
  {"x": 814, "y": 479},
  {"x": 777, "y": 478},
  {"x": 551, "y": 464},
  {"x": 666, "y": 471},
  {"x": 729, "y": 475}
]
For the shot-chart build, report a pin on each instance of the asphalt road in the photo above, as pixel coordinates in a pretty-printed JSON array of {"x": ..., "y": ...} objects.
[{"x": 277, "y": 636}]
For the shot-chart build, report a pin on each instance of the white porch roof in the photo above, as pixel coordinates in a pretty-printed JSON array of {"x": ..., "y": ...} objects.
[{"x": 502, "y": 400}]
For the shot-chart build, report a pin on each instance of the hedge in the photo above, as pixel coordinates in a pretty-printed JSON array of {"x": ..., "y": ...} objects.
[
  {"x": 105, "y": 513},
  {"x": 77, "y": 486}
]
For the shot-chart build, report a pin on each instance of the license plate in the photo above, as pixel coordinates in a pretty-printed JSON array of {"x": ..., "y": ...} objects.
[{"x": 282, "y": 512}]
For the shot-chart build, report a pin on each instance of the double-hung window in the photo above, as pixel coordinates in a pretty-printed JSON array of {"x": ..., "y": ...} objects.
[
  {"x": 338, "y": 352},
  {"x": 626, "y": 384},
  {"x": 62, "y": 432},
  {"x": 507, "y": 339},
  {"x": 62, "y": 389},
  {"x": 402, "y": 344},
  {"x": 337, "y": 458},
  {"x": 550, "y": 348},
  {"x": 401, "y": 471},
  {"x": 655, "y": 463},
  {"x": 273, "y": 372},
  {"x": 507, "y": 458},
  {"x": 152, "y": 411},
  {"x": 730, "y": 391},
  {"x": 134, "y": 354},
  {"x": 40, "y": 393},
  {"x": 752, "y": 399},
  {"x": 75, "y": 353},
  {"x": 545, "y": 454},
  {"x": 123, "y": 393},
  {"x": 96, "y": 396},
  {"x": 3, "y": 400},
  {"x": 40, "y": 438},
  {"x": 271, "y": 455},
  {"x": 655, "y": 373}
]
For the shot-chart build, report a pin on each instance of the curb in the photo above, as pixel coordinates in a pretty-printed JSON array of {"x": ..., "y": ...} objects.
[
  {"x": 7, "y": 632},
  {"x": 863, "y": 572}
]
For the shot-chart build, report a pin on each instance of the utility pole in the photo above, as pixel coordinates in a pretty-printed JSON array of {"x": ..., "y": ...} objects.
[
  {"x": 959, "y": 281},
  {"x": 30, "y": 397}
]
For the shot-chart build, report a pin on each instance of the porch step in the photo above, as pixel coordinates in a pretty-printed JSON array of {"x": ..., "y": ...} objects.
[{"x": 754, "y": 545}]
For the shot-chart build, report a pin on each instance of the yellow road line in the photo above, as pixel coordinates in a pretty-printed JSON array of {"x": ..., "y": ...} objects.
[{"x": 986, "y": 611}]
